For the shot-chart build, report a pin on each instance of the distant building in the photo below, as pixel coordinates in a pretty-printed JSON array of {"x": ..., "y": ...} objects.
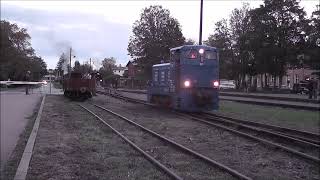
[
  {"x": 47, "y": 77},
  {"x": 119, "y": 70},
  {"x": 292, "y": 76},
  {"x": 131, "y": 69}
]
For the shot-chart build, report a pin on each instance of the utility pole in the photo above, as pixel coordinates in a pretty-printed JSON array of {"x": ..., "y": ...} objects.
[
  {"x": 70, "y": 61},
  {"x": 200, "y": 33},
  {"x": 90, "y": 65}
]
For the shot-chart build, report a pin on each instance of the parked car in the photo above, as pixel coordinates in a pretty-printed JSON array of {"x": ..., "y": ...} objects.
[
  {"x": 227, "y": 84},
  {"x": 300, "y": 88}
]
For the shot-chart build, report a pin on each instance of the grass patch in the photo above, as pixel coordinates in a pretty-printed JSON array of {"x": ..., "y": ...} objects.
[
  {"x": 12, "y": 164},
  {"x": 293, "y": 118}
]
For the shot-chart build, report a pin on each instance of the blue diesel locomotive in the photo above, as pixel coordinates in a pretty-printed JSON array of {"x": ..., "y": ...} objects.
[{"x": 190, "y": 82}]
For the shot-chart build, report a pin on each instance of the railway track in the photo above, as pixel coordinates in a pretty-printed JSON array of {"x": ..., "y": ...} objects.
[
  {"x": 289, "y": 144},
  {"x": 170, "y": 145},
  {"x": 299, "y": 143},
  {"x": 298, "y": 134}
]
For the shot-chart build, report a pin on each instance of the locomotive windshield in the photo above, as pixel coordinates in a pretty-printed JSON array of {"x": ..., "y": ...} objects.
[
  {"x": 192, "y": 54},
  {"x": 210, "y": 55}
]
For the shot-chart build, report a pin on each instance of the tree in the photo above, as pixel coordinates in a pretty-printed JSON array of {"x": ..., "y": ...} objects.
[
  {"x": 229, "y": 39},
  {"x": 265, "y": 40},
  {"x": 286, "y": 23},
  {"x": 61, "y": 63},
  {"x": 312, "y": 45},
  {"x": 106, "y": 71},
  {"x": 17, "y": 55},
  {"x": 153, "y": 36},
  {"x": 109, "y": 63},
  {"x": 189, "y": 42},
  {"x": 221, "y": 39}
]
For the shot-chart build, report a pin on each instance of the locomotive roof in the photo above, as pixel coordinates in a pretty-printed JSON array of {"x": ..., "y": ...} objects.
[
  {"x": 188, "y": 47},
  {"x": 160, "y": 65}
]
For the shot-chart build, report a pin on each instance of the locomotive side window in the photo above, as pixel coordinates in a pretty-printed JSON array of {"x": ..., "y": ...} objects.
[
  {"x": 155, "y": 76},
  {"x": 162, "y": 76},
  {"x": 210, "y": 55},
  {"x": 175, "y": 56},
  {"x": 192, "y": 54}
]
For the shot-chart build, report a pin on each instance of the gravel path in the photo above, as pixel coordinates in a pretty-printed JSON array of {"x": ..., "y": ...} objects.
[
  {"x": 71, "y": 144},
  {"x": 249, "y": 157}
]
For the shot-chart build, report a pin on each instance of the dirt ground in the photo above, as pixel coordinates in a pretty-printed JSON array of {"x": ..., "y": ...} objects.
[
  {"x": 71, "y": 144},
  {"x": 246, "y": 156}
]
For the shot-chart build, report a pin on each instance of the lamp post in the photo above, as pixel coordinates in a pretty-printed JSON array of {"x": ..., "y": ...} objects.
[
  {"x": 50, "y": 73},
  {"x": 27, "y": 79}
]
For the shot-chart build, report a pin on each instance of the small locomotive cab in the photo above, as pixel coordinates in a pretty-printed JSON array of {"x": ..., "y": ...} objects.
[{"x": 190, "y": 82}]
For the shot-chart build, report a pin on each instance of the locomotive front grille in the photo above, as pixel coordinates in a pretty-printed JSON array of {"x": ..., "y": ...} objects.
[{"x": 202, "y": 97}]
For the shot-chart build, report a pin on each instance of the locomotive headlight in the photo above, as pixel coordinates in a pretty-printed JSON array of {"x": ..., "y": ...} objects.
[
  {"x": 201, "y": 51},
  {"x": 187, "y": 83},
  {"x": 215, "y": 84}
]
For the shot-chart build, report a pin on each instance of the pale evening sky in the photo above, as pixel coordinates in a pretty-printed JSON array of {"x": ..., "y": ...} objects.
[{"x": 99, "y": 29}]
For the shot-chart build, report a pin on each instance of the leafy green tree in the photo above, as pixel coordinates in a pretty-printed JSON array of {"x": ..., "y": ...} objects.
[
  {"x": 153, "y": 36},
  {"x": 312, "y": 45},
  {"x": 189, "y": 42},
  {"x": 17, "y": 55},
  {"x": 106, "y": 71},
  {"x": 229, "y": 38},
  {"x": 238, "y": 31},
  {"x": 61, "y": 63},
  {"x": 221, "y": 39},
  {"x": 109, "y": 63}
]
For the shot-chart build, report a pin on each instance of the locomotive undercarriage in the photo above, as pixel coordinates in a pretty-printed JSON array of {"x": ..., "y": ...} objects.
[
  {"x": 78, "y": 95},
  {"x": 161, "y": 100},
  {"x": 202, "y": 98},
  {"x": 198, "y": 97}
]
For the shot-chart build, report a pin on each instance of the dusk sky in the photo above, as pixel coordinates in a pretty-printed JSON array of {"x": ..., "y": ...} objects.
[{"x": 100, "y": 29}]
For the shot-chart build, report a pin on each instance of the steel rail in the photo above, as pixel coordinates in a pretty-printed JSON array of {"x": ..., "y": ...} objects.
[
  {"x": 276, "y": 145},
  {"x": 259, "y": 130},
  {"x": 296, "y": 138},
  {"x": 150, "y": 158},
  {"x": 191, "y": 152},
  {"x": 290, "y": 150},
  {"x": 283, "y": 130}
]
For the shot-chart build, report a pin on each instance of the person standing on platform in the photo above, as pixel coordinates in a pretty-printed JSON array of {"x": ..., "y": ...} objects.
[
  {"x": 310, "y": 89},
  {"x": 27, "y": 78},
  {"x": 315, "y": 88}
]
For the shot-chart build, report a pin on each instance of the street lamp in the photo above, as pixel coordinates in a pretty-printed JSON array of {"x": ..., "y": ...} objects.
[
  {"x": 27, "y": 79},
  {"x": 50, "y": 73}
]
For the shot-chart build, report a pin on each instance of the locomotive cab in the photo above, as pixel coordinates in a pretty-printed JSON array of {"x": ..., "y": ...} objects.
[{"x": 190, "y": 82}]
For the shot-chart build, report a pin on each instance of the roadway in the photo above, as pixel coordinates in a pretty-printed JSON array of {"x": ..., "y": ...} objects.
[{"x": 16, "y": 107}]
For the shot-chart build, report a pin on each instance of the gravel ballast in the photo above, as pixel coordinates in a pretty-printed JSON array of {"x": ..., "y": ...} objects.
[
  {"x": 249, "y": 157},
  {"x": 185, "y": 165},
  {"x": 286, "y": 117}
]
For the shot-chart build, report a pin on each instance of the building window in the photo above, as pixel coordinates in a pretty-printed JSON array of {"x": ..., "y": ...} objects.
[{"x": 296, "y": 78}]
